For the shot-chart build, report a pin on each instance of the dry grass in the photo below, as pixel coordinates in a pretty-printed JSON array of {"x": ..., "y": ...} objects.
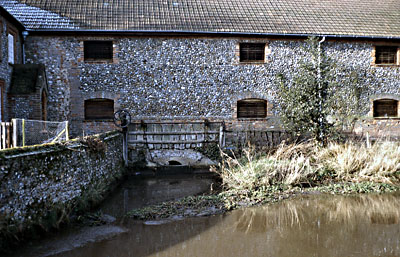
[{"x": 309, "y": 163}]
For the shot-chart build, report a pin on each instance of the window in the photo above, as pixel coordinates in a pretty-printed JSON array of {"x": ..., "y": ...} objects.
[
  {"x": 98, "y": 50},
  {"x": 252, "y": 108},
  {"x": 385, "y": 108},
  {"x": 386, "y": 55},
  {"x": 252, "y": 52},
  {"x": 11, "y": 54},
  {"x": 99, "y": 109}
]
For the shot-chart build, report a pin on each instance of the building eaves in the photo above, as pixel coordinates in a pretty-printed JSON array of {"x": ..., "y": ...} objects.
[{"x": 11, "y": 18}]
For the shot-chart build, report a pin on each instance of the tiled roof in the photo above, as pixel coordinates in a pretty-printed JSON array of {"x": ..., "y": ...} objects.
[{"x": 379, "y": 18}]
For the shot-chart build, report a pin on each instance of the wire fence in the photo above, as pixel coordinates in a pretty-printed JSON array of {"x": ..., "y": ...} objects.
[{"x": 34, "y": 132}]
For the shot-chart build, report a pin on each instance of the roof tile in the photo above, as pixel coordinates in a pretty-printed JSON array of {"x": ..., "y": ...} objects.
[{"x": 329, "y": 17}]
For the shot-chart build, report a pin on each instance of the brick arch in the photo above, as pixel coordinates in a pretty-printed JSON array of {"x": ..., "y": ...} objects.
[
  {"x": 107, "y": 106},
  {"x": 385, "y": 105},
  {"x": 99, "y": 109},
  {"x": 252, "y": 98},
  {"x": 104, "y": 95}
]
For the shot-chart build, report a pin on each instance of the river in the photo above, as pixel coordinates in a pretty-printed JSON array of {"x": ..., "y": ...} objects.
[{"x": 309, "y": 225}]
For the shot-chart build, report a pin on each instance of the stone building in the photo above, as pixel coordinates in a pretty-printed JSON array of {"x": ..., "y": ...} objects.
[
  {"x": 201, "y": 59},
  {"x": 23, "y": 87},
  {"x": 10, "y": 53}
]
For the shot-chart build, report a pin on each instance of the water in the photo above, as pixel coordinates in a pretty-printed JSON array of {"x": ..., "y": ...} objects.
[
  {"x": 137, "y": 192},
  {"x": 311, "y": 225}
]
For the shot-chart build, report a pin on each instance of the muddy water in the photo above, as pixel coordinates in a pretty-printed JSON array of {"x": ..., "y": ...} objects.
[
  {"x": 366, "y": 225},
  {"x": 136, "y": 192},
  {"x": 312, "y": 225}
]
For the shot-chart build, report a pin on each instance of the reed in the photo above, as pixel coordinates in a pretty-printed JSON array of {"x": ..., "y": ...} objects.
[{"x": 309, "y": 164}]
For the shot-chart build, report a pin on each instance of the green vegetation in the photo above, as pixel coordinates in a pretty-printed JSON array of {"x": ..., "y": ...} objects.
[
  {"x": 210, "y": 150},
  {"x": 323, "y": 98}
]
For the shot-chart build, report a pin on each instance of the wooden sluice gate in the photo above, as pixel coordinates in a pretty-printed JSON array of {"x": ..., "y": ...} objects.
[{"x": 175, "y": 138}]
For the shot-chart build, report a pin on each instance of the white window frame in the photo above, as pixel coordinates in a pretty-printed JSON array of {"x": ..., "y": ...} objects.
[{"x": 11, "y": 54}]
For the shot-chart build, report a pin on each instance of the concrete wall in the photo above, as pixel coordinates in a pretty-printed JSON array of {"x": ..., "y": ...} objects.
[
  {"x": 36, "y": 182},
  {"x": 175, "y": 77}
]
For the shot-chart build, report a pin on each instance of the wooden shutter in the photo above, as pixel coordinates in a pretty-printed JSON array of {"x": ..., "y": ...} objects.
[
  {"x": 99, "y": 109},
  {"x": 252, "y": 108},
  {"x": 385, "y": 108},
  {"x": 98, "y": 50}
]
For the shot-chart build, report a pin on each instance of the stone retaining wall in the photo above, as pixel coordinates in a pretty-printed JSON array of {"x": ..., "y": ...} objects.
[{"x": 43, "y": 184}]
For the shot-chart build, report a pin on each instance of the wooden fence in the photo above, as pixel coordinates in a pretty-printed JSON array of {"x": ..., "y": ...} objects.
[
  {"x": 22, "y": 132},
  {"x": 6, "y": 135},
  {"x": 258, "y": 138}
]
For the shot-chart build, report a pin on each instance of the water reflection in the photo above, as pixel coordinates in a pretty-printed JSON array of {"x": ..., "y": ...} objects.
[
  {"x": 366, "y": 225},
  {"x": 341, "y": 211}
]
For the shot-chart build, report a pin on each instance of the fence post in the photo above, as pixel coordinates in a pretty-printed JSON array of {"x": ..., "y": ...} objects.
[
  {"x": 15, "y": 129},
  {"x": 368, "y": 141},
  {"x": 23, "y": 132},
  {"x": 9, "y": 128},
  {"x": 221, "y": 136},
  {"x": 125, "y": 146},
  {"x": 3, "y": 135},
  {"x": 66, "y": 131}
]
